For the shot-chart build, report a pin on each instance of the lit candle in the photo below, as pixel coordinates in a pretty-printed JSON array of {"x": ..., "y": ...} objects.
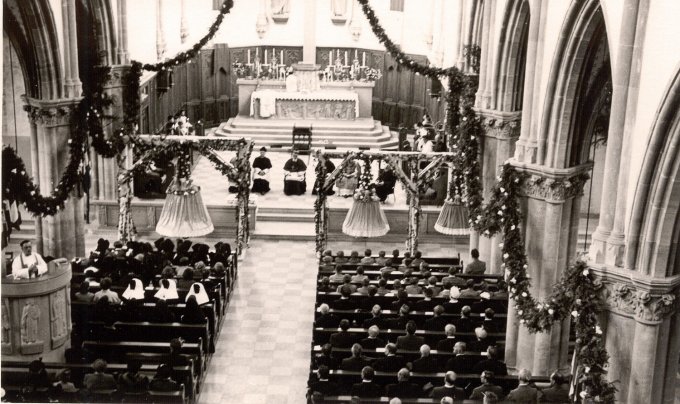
[
  {"x": 273, "y": 54},
  {"x": 330, "y": 57},
  {"x": 265, "y": 56},
  {"x": 248, "y": 56},
  {"x": 364, "y": 59},
  {"x": 282, "y": 57},
  {"x": 355, "y": 54},
  {"x": 346, "y": 58}
]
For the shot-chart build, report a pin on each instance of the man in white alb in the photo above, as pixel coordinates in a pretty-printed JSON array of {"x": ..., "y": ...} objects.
[{"x": 28, "y": 264}]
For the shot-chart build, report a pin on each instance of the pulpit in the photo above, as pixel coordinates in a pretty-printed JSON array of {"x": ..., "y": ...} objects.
[{"x": 36, "y": 315}]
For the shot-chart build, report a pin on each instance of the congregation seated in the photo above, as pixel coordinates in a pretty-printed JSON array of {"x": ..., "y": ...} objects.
[
  {"x": 410, "y": 341},
  {"x": 391, "y": 362},
  {"x": 355, "y": 362},
  {"x": 403, "y": 388},
  {"x": 524, "y": 393},
  {"x": 367, "y": 387},
  {"x": 132, "y": 381},
  {"x": 112, "y": 297},
  {"x": 372, "y": 341},
  {"x": 162, "y": 381},
  {"x": 487, "y": 387},
  {"x": 99, "y": 380}
]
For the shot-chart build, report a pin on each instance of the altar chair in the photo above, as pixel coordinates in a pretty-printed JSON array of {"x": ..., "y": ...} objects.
[{"x": 302, "y": 141}]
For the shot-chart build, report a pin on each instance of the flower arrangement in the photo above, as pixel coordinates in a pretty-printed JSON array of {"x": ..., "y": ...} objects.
[
  {"x": 372, "y": 75},
  {"x": 365, "y": 192},
  {"x": 241, "y": 70}
]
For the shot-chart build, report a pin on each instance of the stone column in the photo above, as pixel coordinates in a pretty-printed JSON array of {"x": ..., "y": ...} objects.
[
  {"x": 600, "y": 250},
  {"x": 309, "y": 45},
  {"x": 183, "y": 26},
  {"x": 72, "y": 85},
  {"x": 488, "y": 95},
  {"x": 616, "y": 241},
  {"x": 526, "y": 149},
  {"x": 62, "y": 234},
  {"x": 501, "y": 133},
  {"x": 484, "y": 59},
  {"x": 550, "y": 207},
  {"x": 123, "y": 56},
  {"x": 35, "y": 173},
  {"x": 160, "y": 32},
  {"x": 642, "y": 337},
  {"x": 457, "y": 46}
]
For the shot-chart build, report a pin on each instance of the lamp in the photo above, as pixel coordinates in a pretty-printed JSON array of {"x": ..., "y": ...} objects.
[{"x": 184, "y": 214}]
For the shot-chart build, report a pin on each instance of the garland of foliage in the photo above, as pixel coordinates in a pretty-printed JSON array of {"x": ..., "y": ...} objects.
[
  {"x": 19, "y": 186},
  {"x": 574, "y": 296}
]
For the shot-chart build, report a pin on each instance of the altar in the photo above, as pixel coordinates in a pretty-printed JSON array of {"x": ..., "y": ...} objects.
[{"x": 322, "y": 104}]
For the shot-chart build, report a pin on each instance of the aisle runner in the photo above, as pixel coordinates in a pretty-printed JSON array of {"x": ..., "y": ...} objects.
[{"x": 263, "y": 352}]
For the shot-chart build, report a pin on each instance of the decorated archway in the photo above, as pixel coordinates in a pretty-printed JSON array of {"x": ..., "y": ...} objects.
[
  {"x": 414, "y": 183},
  {"x": 149, "y": 147}
]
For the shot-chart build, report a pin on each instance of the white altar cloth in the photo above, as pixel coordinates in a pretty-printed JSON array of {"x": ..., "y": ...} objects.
[{"x": 268, "y": 99}]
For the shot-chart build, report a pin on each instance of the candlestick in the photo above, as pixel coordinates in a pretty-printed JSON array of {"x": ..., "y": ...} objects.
[
  {"x": 330, "y": 57},
  {"x": 257, "y": 52},
  {"x": 282, "y": 58},
  {"x": 346, "y": 64},
  {"x": 355, "y": 54},
  {"x": 265, "y": 56}
]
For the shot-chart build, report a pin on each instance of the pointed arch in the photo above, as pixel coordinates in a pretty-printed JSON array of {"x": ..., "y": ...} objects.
[
  {"x": 572, "y": 72},
  {"x": 31, "y": 29},
  {"x": 654, "y": 231},
  {"x": 511, "y": 57}
]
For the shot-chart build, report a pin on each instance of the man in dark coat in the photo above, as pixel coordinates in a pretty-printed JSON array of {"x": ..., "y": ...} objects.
[
  {"x": 294, "y": 176},
  {"x": 403, "y": 388},
  {"x": 367, "y": 387},
  {"x": 357, "y": 361}
]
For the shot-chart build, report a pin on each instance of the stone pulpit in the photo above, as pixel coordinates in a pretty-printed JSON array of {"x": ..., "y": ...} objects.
[{"x": 36, "y": 315}]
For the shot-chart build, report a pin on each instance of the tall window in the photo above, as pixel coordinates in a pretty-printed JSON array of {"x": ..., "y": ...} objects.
[{"x": 397, "y": 5}]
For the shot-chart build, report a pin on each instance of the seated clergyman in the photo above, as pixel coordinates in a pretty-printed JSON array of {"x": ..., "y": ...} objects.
[{"x": 294, "y": 176}]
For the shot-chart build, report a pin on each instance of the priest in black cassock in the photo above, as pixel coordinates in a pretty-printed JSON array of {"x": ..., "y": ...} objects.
[
  {"x": 330, "y": 167},
  {"x": 261, "y": 167},
  {"x": 294, "y": 176}
]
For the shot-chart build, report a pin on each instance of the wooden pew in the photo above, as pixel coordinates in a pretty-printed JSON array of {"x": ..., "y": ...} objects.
[
  {"x": 321, "y": 336},
  {"x": 84, "y": 312},
  {"x": 15, "y": 372},
  {"x": 499, "y": 321},
  {"x": 466, "y": 381},
  {"x": 108, "y": 350},
  {"x": 478, "y": 305},
  {"x": 441, "y": 356},
  {"x": 151, "y": 332}
]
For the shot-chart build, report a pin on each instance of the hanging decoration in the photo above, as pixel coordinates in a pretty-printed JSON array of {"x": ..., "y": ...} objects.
[{"x": 366, "y": 217}]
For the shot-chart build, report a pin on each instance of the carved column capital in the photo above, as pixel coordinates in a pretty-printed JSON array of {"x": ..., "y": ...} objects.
[
  {"x": 501, "y": 125},
  {"x": 645, "y": 307},
  {"x": 552, "y": 185},
  {"x": 50, "y": 113}
]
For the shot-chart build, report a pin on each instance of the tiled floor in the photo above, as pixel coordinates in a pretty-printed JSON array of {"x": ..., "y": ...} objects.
[{"x": 262, "y": 355}]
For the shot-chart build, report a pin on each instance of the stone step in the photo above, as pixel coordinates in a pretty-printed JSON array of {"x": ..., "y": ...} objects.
[
  {"x": 285, "y": 217},
  {"x": 284, "y": 230},
  {"x": 357, "y": 124}
]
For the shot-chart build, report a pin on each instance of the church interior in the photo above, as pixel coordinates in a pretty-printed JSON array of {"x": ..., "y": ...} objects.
[{"x": 341, "y": 201}]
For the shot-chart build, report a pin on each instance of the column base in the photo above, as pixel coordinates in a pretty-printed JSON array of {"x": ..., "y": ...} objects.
[
  {"x": 598, "y": 246},
  {"x": 615, "y": 250}
]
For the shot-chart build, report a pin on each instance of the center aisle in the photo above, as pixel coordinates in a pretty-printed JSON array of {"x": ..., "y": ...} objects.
[{"x": 262, "y": 354}]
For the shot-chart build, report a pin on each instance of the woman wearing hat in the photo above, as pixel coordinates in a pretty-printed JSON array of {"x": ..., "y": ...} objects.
[{"x": 261, "y": 167}]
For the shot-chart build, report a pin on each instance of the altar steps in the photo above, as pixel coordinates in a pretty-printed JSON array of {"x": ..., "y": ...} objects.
[{"x": 364, "y": 132}]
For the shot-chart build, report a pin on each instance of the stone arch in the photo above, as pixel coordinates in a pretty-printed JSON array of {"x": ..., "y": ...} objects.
[
  {"x": 654, "y": 231},
  {"x": 105, "y": 34},
  {"x": 31, "y": 29},
  {"x": 511, "y": 57},
  {"x": 571, "y": 78}
]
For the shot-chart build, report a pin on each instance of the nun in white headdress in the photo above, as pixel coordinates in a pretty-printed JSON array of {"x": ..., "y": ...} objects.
[
  {"x": 198, "y": 290},
  {"x": 168, "y": 290},
  {"x": 134, "y": 291}
]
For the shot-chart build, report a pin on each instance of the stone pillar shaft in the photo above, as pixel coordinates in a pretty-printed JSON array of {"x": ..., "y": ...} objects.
[
  {"x": 68, "y": 83},
  {"x": 550, "y": 208},
  {"x": 61, "y": 235},
  {"x": 123, "y": 56},
  {"x": 35, "y": 173},
  {"x": 525, "y": 151},
  {"x": 309, "y": 45},
  {"x": 160, "y": 32},
  {"x": 484, "y": 58},
  {"x": 599, "y": 250},
  {"x": 72, "y": 46}
]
